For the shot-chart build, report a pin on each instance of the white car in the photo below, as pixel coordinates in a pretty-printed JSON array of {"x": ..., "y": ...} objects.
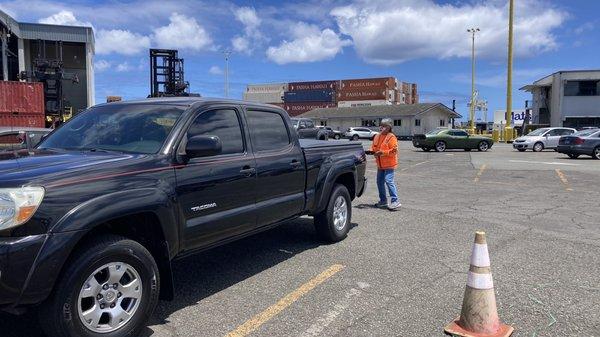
[
  {"x": 360, "y": 132},
  {"x": 540, "y": 139}
]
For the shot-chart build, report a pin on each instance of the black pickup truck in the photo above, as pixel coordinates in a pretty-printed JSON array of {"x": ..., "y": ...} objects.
[{"x": 92, "y": 218}]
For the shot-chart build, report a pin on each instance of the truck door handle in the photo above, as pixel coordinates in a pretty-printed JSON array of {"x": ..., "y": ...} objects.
[
  {"x": 295, "y": 163},
  {"x": 247, "y": 171}
]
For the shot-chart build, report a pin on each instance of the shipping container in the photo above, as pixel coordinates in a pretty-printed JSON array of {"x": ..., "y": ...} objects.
[
  {"x": 362, "y": 94},
  {"x": 353, "y": 104},
  {"x": 295, "y": 109},
  {"x": 21, "y": 97},
  {"x": 269, "y": 87},
  {"x": 369, "y": 83},
  {"x": 23, "y": 120},
  {"x": 317, "y": 85},
  {"x": 299, "y": 96},
  {"x": 264, "y": 97},
  {"x": 280, "y": 105}
]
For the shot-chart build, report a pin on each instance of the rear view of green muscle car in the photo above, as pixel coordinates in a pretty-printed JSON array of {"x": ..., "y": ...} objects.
[{"x": 442, "y": 139}]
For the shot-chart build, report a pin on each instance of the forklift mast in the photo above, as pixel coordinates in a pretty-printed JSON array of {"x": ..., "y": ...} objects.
[
  {"x": 166, "y": 74},
  {"x": 50, "y": 71}
]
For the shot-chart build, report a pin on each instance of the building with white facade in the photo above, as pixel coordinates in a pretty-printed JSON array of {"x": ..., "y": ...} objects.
[{"x": 566, "y": 98}]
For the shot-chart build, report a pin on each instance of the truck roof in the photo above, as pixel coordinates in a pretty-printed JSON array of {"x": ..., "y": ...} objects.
[{"x": 189, "y": 101}]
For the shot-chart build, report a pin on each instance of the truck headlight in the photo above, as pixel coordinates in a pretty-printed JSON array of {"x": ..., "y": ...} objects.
[{"x": 17, "y": 205}]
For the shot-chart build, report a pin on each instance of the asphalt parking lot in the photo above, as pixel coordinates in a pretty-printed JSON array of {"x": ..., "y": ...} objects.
[{"x": 403, "y": 273}]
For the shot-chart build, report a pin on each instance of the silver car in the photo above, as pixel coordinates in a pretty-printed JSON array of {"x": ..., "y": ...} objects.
[
  {"x": 540, "y": 139},
  {"x": 20, "y": 138},
  {"x": 360, "y": 132}
]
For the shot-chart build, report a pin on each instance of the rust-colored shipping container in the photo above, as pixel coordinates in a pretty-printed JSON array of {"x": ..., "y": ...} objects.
[
  {"x": 21, "y": 97},
  {"x": 369, "y": 83},
  {"x": 23, "y": 120},
  {"x": 295, "y": 109},
  {"x": 320, "y": 85},
  {"x": 362, "y": 94}
]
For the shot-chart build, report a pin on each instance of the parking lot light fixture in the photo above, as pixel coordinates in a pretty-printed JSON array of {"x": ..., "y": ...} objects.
[{"x": 473, "y": 31}]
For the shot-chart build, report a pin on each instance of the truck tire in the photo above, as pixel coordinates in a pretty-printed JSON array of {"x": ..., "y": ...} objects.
[
  {"x": 110, "y": 288},
  {"x": 333, "y": 223}
]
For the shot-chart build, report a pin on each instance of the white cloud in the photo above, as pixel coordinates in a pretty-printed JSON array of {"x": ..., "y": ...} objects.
[
  {"x": 123, "y": 67},
  {"x": 215, "y": 70},
  {"x": 101, "y": 65},
  {"x": 182, "y": 33},
  {"x": 252, "y": 36},
  {"x": 498, "y": 79},
  {"x": 64, "y": 18},
  {"x": 120, "y": 42},
  {"x": 310, "y": 44},
  {"x": 388, "y": 32}
]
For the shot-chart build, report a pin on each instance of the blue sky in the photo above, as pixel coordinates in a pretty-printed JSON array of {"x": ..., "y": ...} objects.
[{"x": 420, "y": 41}]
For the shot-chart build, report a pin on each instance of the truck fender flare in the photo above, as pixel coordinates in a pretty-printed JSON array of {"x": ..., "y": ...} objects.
[
  {"x": 73, "y": 226},
  {"x": 322, "y": 195}
]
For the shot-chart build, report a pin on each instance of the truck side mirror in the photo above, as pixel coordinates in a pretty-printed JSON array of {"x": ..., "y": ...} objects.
[{"x": 203, "y": 146}]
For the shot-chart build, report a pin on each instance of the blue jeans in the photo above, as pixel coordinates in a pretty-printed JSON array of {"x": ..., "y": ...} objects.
[{"x": 386, "y": 177}]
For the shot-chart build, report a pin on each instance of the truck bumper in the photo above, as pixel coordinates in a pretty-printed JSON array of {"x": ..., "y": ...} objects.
[
  {"x": 17, "y": 256},
  {"x": 363, "y": 189}
]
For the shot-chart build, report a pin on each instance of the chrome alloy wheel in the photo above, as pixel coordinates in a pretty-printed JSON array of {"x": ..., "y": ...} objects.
[
  {"x": 340, "y": 213},
  {"x": 110, "y": 297}
]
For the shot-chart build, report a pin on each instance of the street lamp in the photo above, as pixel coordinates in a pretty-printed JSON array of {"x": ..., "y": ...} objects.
[
  {"x": 508, "y": 130},
  {"x": 227, "y": 54},
  {"x": 473, "y": 31}
]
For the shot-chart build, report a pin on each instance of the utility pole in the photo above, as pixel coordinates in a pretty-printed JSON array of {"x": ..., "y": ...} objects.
[
  {"x": 508, "y": 130},
  {"x": 473, "y": 31},
  {"x": 227, "y": 54}
]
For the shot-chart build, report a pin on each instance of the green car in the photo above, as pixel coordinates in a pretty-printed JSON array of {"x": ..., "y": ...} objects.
[{"x": 443, "y": 139}]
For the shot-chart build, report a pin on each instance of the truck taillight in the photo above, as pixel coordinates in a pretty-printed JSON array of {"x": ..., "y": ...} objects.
[{"x": 579, "y": 141}]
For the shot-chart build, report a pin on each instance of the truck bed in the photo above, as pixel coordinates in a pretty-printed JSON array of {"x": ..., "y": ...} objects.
[{"x": 314, "y": 144}]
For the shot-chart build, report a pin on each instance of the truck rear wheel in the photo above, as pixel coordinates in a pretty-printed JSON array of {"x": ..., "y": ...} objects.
[
  {"x": 333, "y": 223},
  {"x": 111, "y": 289}
]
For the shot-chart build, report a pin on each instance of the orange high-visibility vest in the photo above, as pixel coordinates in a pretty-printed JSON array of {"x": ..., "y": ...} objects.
[{"x": 387, "y": 144}]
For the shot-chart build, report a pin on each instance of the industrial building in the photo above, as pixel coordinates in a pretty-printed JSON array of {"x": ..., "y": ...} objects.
[
  {"x": 32, "y": 50},
  {"x": 299, "y": 97},
  {"x": 409, "y": 119},
  {"x": 566, "y": 98}
]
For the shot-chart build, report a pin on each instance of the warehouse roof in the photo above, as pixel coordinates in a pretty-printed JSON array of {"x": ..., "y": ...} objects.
[
  {"x": 39, "y": 31},
  {"x": 406, "y": 110}
]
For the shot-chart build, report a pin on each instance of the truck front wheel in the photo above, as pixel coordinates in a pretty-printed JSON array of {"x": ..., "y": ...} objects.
[
  {"x": 333, "y": 223},
  {"x": 110, "y": 288}
]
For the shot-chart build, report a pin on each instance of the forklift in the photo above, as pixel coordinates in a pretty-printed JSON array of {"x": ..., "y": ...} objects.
[{"x": 167, "y": 75}]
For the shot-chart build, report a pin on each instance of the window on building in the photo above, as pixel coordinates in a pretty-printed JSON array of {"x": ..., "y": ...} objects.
[
  {"x": 369, "y": 122},
  {"x": 268, "y": 130},
  {"x": 582, "y": 88},
  {"x": 397, "y": 122},
  {"x": 223, "y": 124},
  {"x": 417, "y": 122},
  {"x": 323, "y": 123},
  {"x": 442, "y": 122}
]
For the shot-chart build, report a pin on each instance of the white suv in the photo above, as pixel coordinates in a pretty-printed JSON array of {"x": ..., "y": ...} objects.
[
  {"x": 540, "y": 139},
  {"x": 360, "y": 132}
]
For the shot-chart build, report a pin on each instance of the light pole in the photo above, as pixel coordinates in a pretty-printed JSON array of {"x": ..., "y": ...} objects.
[
  {"x": 508, "y": 130},
  {"x": 473, "y": 31},
  {"x": 227, "y": 54}
]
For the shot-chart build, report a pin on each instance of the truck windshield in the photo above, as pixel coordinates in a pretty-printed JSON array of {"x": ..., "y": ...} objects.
[{"x": 132, "y": 128}]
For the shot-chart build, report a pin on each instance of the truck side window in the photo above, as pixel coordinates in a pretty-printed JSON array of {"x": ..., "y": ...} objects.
[
  {"x": 267, "y": 130},
  {"x": 224, "y": 124}
]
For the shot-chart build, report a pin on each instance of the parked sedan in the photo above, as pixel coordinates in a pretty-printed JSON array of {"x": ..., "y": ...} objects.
[
  {"x": 442, "y": 139},
  {"x": 20, "y": 138},
  {"x": 586, "y": 142},
  {"x": 540, "y": 139},
  {"x": 360, "y": 132}
]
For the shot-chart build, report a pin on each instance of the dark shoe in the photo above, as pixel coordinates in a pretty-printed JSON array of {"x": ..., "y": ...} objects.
[{"x": 381, "y": 205}]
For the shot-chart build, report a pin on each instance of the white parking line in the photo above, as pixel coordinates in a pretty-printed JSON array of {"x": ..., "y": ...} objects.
[{"x": 542, "y": 162}]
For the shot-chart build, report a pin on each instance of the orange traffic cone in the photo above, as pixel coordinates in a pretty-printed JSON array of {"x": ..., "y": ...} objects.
[{"x": 479, "y": 316}]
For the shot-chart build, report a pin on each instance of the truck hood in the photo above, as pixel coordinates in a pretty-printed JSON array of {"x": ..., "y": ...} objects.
[{"x": 41, "y": 167}]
